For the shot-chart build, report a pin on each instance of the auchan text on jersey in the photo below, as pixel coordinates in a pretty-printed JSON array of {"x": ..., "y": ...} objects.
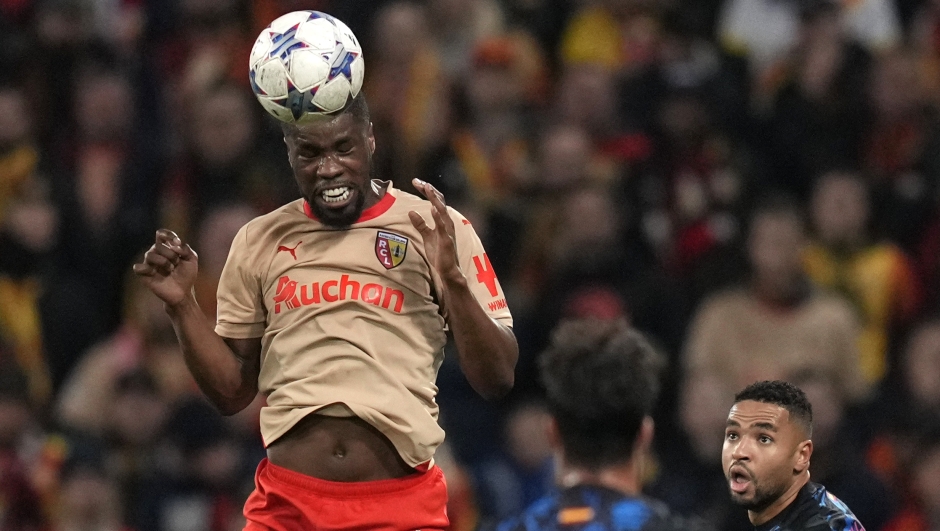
[{"x": 294, "y": 295}]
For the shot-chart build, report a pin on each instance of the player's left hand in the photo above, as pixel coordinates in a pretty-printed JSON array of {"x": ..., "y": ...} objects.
[{"x": 439, "y": 242}]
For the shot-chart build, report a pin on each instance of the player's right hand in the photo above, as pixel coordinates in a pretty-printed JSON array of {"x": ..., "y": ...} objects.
[{"x": 169, "y": 268}]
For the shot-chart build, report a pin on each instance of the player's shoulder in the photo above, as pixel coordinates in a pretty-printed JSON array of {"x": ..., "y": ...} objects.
[
  {"x": 279, "y": 219},
  {"x": 831, "y": 513},
  {"x": 540, "y": 516},
  {"x": 600, "y": 509},
  {"x": 407, "y": 201}
]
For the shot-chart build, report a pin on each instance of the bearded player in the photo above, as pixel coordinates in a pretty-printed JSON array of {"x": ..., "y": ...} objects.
[
  {"x": 766, "y": 456},
  {"x": 335, "y": 307}
]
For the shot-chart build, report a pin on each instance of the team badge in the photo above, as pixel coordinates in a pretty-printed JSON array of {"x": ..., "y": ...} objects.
[{"x": 390, "y": 249}]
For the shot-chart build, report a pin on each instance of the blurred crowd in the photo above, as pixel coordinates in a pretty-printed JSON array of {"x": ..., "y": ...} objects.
[{"x": 754, "y": 184}]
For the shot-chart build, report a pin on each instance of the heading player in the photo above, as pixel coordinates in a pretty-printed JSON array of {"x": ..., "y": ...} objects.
[
  {"x": 334, "y": 307},
  {"x": 766, "y": 458},
  {"x": 601, "y": 380}
]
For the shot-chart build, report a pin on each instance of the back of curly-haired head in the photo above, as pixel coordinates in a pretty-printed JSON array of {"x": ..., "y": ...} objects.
[
  {"x": 601, "y": 379},
  {"x": 783, "y": 394}
]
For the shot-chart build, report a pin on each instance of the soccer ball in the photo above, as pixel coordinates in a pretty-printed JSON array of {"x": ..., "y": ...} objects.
[{"x": 306, "y": 65}]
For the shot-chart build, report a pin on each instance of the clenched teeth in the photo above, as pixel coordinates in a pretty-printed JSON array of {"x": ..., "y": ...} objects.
[{"x": 336, "y": 195}]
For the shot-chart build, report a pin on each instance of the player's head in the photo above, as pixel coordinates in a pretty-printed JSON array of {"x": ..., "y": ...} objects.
[
  {"x": 332, "y": 162},
  {"x": 601, "y": 381},
  {"x": 767, "y": 445}
]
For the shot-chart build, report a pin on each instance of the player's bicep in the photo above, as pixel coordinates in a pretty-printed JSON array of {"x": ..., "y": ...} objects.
[
  {"x": 248, "y": 352},
  {"x": 476, "y": 266}
]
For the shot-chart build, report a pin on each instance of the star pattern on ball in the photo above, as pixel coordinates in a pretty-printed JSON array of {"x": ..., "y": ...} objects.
[
  {"x": 341, "y": 61},
  {"x": 285, "y": 43}
]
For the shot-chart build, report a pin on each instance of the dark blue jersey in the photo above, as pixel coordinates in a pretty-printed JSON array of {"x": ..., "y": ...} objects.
[
  {"x": 593, "y": 508},
  {"x": 816, "y": 510}
]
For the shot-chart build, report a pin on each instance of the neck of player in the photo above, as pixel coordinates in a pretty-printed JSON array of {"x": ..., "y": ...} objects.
[
  {"x": 622, "y": 476},
  {"x": 763, "y": 516}
]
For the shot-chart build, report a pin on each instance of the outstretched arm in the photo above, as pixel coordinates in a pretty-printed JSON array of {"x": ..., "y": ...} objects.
[
  {"x": 486, "y": 349},
  {"x": 225, "y": 369}
]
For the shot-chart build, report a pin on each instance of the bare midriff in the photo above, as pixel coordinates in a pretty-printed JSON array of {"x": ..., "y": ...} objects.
[{"x": 338, "y": 449}]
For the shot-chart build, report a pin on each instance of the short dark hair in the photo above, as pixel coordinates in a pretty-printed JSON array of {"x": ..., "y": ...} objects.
[
  {"x": 358, "y": 108},
  {"x": 601, "y": 379},
  {"x": 783, "y": 394}
]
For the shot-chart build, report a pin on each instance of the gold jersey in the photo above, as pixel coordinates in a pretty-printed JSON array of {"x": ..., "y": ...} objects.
[{"x": 351, "y": 320}]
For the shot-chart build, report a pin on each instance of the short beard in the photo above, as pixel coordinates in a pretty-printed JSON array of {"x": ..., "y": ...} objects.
[
  {"x": 339, "y": 219},
  {"x": 762, "y": 499}
]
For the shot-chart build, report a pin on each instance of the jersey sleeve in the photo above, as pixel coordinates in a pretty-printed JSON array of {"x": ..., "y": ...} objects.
[
  {"x": 240, "y": 312},
  {"x": 475, "y": 264}
]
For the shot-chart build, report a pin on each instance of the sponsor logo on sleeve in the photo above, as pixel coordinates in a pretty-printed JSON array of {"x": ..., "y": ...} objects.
[{"x": 485, "y": 274}]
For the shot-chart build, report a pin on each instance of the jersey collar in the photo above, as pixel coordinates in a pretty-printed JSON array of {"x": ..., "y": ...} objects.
[{"x": 373, "y": 211}]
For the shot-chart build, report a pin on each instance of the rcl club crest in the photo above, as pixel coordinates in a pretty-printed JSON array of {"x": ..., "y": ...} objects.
[{"x": 390, "y": 249}]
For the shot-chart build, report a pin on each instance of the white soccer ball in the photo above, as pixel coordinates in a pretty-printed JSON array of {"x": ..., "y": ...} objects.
[{"x": 306, "y": 65}]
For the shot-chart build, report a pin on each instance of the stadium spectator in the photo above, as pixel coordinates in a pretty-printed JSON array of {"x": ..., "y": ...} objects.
[
  {"x": 144, "y": 342},
  {"x": 103, "y": 186},
  {"x": 458, "y": 26},
  {"x": 89, "y": 499},
  {"x": 135, "y": 420},
  {"x": 777, "y": 323},
  {"x": 20, "y": 499},
  {"x": 906, "y": 408},
  {"x": 900, "y": 151},
  {"x": 815, "y": 114},
  {"x": 523, "y": 473},
  {"x": 621, "y": 36},
  {"x": 28, "y": 225},
  {"x": 225, "y": 160},
  {"x": 767, "y": 32},
  {"x": 876, "y": 277},
  {"x": 411, "y": 106},
  {"x": 922, "y": 509},
  {"x": 213, "y": 478}
]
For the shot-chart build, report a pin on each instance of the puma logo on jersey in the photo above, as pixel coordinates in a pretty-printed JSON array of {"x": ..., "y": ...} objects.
[
  {"x": 289, "y": 249},
  {"x": 291, "y": 294}
]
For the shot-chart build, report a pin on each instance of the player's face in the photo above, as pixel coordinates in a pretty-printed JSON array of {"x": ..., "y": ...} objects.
[
  {"x": 332, "y": 163},
  {"x": 761, "y": 453}
]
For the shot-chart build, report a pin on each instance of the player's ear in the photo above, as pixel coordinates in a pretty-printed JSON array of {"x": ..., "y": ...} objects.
[
  {"x": 371, "y": 139},
  {"x": 803, "y": 454},
  {"x": 290, "y": 157},
  {"x": 554, "y": 436},
  {"x": 645, "y": 437}
]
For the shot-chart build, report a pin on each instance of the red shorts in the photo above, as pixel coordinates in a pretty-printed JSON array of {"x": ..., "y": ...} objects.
[{"x": 284, "y": 500}]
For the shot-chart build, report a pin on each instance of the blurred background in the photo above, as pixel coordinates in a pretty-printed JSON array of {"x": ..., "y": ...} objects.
[{"x": 755, "y": 184}]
